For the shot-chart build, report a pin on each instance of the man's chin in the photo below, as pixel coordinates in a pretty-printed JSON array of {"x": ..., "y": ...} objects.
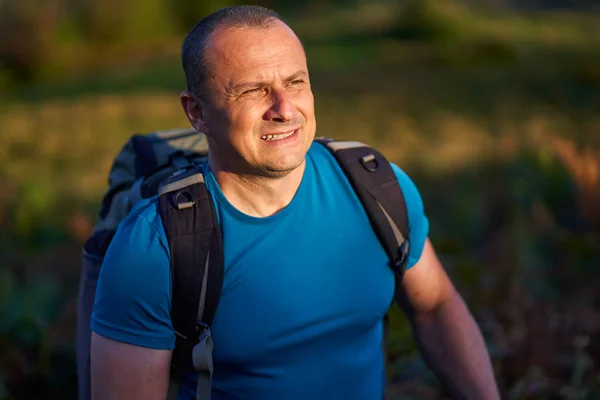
[{"x": 281, "y": 170}]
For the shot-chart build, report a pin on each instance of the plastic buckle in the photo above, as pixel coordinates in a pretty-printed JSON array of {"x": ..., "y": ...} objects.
[
  {"x": 200, "y": 328},
  {"x": 399, "y": 263},
  {"x": 202, "y": 352}
]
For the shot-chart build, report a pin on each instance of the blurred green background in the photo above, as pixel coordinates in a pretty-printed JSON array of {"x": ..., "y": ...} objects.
[{"x": 492, "y": 106}]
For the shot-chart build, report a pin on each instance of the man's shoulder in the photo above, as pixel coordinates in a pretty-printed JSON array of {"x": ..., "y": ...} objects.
[
  {"x": 132, "y": 302},
  {"x": 144, "y": 211},
  {"x": 318, "y": 152},
  {"x": 143, "y": 225}
]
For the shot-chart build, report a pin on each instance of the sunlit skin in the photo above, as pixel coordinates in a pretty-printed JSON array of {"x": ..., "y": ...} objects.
[{"x": 261, "y": 87}]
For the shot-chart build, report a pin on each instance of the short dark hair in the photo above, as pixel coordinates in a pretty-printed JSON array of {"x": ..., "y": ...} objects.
[{"x": 193, "y": 57}]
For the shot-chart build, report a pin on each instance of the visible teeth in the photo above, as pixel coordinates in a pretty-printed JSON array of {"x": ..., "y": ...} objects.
[{"x": 277, "y": 137}]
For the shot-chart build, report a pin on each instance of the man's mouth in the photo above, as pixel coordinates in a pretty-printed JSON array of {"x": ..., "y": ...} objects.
[{"x": 279, "y": 136}]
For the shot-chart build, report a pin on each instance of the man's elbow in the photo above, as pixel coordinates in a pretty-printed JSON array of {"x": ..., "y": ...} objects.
[{"x": 452, "y": 300}]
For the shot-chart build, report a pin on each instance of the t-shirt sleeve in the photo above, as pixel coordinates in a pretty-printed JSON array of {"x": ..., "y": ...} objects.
[
  {"x": 417, "y": 220},
  {"x": 133, "y": 297}
]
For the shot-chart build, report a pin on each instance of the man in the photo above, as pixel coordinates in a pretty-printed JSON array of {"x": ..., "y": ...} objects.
[{"x": 306, "y": 281}]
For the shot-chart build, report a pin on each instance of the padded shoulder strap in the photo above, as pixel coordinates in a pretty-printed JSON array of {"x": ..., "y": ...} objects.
[
  {"x": 377, "y": 187},
  {"x": 196, "y": 247}
]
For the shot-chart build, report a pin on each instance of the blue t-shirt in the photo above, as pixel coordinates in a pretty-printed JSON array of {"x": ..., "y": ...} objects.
[{"x": 303, "y": 297}]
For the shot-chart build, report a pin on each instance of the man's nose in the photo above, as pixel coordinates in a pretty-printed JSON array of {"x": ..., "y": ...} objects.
[{"x": 282, "y": 108}]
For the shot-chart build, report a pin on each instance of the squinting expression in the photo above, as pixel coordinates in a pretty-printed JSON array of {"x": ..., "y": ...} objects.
[{"x": 260, "y": 114}]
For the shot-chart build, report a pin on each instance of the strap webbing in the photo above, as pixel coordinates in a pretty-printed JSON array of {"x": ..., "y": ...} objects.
[
  {"x": 204, "y": 388},
  {"x": 203, "y": 363}
]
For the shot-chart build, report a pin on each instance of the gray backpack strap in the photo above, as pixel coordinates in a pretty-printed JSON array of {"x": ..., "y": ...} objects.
[
  {"x": 203, "y": 364},
  {"x": 196, "y": 247}
]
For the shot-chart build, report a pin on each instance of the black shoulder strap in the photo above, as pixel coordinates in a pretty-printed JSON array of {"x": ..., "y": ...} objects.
[
  {"x": 377, "y": 187},
  {"x": 196, "y": 248}
]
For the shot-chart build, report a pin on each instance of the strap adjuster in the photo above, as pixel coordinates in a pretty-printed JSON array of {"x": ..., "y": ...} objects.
[
  {"x": 202, "y": 351},
  {"x": 200, "y": 328},
  {"x": 399, "y": 264}
]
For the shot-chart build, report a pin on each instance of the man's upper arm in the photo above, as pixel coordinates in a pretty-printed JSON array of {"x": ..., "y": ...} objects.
[
  {"x": 132, "y": 331},
  {"x": 425, "y": 284},
  {"x": 133, "y": 297},
  {"x": 125, "y": 371}
]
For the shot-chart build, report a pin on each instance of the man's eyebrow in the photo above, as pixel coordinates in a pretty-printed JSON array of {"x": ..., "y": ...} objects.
[
  {"x": 249, "y": 84},
  {"x": 254, "y": 84},
  {"x": 236, "y": 89},
  {"x": 296, "y": 75}
]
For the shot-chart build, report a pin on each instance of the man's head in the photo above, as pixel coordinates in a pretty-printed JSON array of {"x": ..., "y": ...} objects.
[{"x": 249, "y": 91}]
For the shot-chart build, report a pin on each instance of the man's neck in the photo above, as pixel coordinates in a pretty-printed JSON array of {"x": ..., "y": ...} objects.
[{"x": 259, "y": 196}]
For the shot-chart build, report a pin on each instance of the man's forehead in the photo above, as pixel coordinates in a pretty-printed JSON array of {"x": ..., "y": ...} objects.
[{"x": 239, "y": 44}]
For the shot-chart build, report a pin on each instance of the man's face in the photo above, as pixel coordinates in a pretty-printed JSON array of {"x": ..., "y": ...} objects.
[{"x": 259, "y": 113}]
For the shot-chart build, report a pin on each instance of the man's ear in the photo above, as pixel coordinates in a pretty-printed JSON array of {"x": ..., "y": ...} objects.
[{"x": 195, "y": 112}]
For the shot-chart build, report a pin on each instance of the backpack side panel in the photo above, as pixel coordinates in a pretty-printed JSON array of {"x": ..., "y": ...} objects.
[{"x": 137, "y": 171}]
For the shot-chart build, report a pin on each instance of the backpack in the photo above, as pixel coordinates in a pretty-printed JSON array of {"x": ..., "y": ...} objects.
[{"x": 168, "y": 164}]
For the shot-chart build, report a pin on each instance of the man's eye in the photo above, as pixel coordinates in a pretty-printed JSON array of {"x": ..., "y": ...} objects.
[
  {"x": 251, "y": 91},
  {"x": 297, "y": 81}
]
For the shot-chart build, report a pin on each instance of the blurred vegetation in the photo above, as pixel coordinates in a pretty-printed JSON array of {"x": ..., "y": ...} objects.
[{"x": 491, "y": 106}]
